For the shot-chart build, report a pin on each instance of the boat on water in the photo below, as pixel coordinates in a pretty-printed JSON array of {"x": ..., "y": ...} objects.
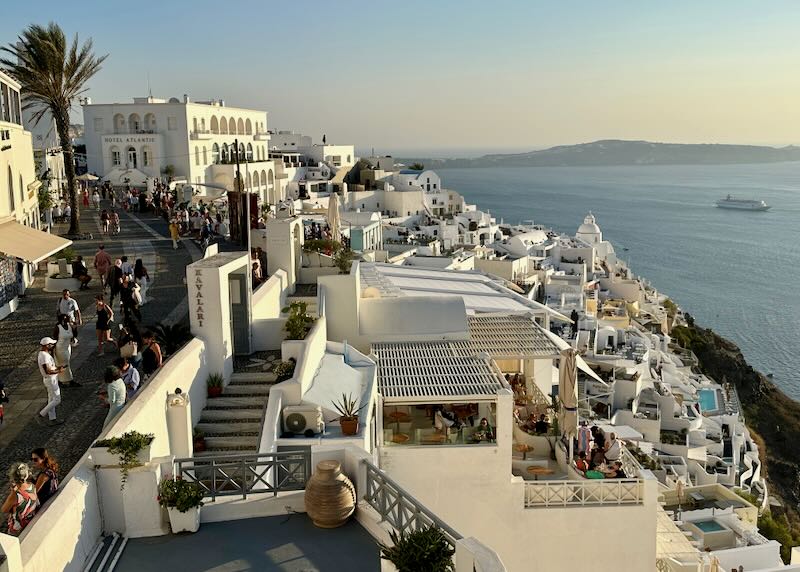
[{"x": 731, "y": 202}]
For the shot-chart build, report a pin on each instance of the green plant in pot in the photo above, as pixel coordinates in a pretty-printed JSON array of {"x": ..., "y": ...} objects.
[
  {"x": 183, "y": 500},
  {"x": 285, "y": 370},
  {"x": 348, "y": 414},
  {"x": 127, "y": 446},
  {"x": 214, "y": 383},
  {"x": 299, "y": 321},
  {"x": 423, "y": 550}
]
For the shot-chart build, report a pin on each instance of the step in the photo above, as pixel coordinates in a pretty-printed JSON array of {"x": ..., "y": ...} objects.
[
  {"x": 252, "y": 377},
  {"x": 224, "y": 429},
  {"x": 231, "y": 443},
  {"x": 208, "y": 453},
  {"x": 247, "y": 389},
  {"x": 232, "y": 415},
  {"x": 236, "y": 403}
]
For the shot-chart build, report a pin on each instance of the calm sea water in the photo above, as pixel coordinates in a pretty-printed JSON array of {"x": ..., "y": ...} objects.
[{"x": 737, "y": 272}]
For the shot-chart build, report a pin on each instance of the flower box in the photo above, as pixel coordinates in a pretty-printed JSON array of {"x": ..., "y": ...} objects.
[
  {"x": 188, "y": 521},
  {"x": 102, "y": 458}
]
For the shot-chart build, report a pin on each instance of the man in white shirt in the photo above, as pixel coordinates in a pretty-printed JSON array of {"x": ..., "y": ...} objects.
[
  {"x": 49, "y": 371},
  {"x": 69, "y": 306}
]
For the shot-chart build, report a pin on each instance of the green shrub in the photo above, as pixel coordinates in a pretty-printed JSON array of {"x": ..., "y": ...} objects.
[
  {"x": 180, "y": 494},
  {"x": 324, "y": 245},
  {"x": 127, "y": 446},
  {"x": 299, "y": 322},
  {"x": 67, "y": 253},
  {"x": 423, "y": 550},
  {"x": 343, "y": 260},
  {"x": 215, "y": 380}
]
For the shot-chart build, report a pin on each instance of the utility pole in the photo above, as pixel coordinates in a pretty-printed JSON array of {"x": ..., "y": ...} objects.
[{"x": 245, "y": 227}]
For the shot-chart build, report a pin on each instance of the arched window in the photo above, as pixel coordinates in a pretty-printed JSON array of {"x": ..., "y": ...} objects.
[
  {"x": 248, "y": 127},
  {"x": 264, "y": 178},
  {"x": 215, "y": 154},
  {"x": 214, "y": 124},
  {"x": 205, "y": 155},
  {"x": 10, "y": 188},
  {"x": 249, "y": 152},
  {"x": 232, "y": 126},
  {"x": 225, "y": 155},
  {"x": 348, "y": 159},
  {"x": 203, "y": 124},
  {"x": 240, "y": 126},
  {"x": 21, "y": 191},
  {"x": 150, "y": 122},
  {"x": 249, "y": 182},
  {"x": 147, "y": 156},
  {"x": 241, "y": 152},
  {"x": 194, "y": 124},
  {"x": 132, "y": 159},
  {"x": 223, "y": 126},
  {"x": 119, "y": 123},
  {"x": 116, "y": 159},
  {"x": 134, "y": 123},
  {"x": 196, "y": 155}
]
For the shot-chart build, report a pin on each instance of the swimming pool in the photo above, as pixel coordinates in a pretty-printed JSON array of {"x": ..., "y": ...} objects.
[
  {"x": 709, "y": 526},
  {"x": 708, "y": 399}
]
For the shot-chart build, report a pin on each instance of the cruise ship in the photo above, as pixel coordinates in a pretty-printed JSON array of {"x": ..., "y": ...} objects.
[{"x": 731, "y": 202}]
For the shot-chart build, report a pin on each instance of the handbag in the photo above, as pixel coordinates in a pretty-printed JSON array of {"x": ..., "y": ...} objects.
[{"x": 129, "y": 350}]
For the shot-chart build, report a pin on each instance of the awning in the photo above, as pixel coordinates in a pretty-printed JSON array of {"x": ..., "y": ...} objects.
[
  {"x": 624, "y": 432},
  {"x": 29, "y": 244},
  {"x": 582, "y": 365}
]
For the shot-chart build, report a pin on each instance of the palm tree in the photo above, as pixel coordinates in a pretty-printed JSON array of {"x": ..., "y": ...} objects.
[{"x": 53, "y": 73}]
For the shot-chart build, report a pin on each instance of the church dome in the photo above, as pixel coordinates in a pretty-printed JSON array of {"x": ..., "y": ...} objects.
[{"x": 589, "y": 226}]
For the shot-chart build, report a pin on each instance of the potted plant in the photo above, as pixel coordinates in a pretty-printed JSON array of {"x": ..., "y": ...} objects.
[
  {"x": 214, "y": 383},
  {"x": 348, "y": 414},
  {"x": 425, "y": 548},
  {"x": 299, "y": 321},
  {"x": 285, "y": 369},
  {"x": 183, "y": 500},
  {"x": 199, "y": 441},
  {"x": 131, "y": 449}
]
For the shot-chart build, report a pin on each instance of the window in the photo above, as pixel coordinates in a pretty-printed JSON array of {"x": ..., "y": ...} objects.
[
  {"x": 205, "y": 155},
  {"x": 98, "y": 124},
  {"x": 10, "y": 187},
  {"x": 249, "y": 151},
  {"x": 147, "y": 157},
  {"x": 172, "y": 123},
  {"x": 21, "y": 191},
  {"x": 197, "y": 155},
  {"x": 377, "y": 205},
  {"x": 5, "y": 103},
  {"x": 434, "y": 185},
  {"x": 134, "y": 124},
  {"x": 225, "y": 155},
  {"x": 348, "y": 158},
  {"x": 215, "y": 154},
  {"x": 115, "y": 157}
]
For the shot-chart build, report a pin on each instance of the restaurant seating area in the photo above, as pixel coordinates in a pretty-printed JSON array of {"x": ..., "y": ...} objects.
[{"x": 439, "y": 424}]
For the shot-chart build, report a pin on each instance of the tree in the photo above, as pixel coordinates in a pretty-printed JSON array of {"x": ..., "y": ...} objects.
[
  {"x": 53, "y": 73},
  {"x": 417, "y": 167}
]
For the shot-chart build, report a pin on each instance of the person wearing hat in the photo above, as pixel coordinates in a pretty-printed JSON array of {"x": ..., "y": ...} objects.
[{"x": 49, "y": 371}]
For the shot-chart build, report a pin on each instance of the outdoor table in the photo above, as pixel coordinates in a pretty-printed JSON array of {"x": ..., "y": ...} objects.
[
  {"x": 434, "y": 439},
  {"x": 595, "y": 475},
  {"x": 536, "y": 470}
]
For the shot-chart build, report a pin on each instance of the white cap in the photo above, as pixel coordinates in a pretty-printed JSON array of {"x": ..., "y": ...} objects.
[{"x": 47, "y": 342}]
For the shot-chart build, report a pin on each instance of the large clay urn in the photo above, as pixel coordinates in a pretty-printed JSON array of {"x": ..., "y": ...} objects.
[{"x": 330, "y": 496}]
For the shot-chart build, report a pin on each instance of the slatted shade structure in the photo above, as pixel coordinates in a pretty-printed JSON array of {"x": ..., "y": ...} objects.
[
  {"x": 435, "y": 372},
  {"x": 510, "y": 336}
]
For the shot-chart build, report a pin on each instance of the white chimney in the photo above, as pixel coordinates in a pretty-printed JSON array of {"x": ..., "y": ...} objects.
[{"x": 186, "y": 98}]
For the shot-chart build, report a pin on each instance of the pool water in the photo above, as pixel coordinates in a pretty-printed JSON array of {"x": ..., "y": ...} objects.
[
  {"x": 709, "y": 526},
  {"x": 708, "y": 399}
]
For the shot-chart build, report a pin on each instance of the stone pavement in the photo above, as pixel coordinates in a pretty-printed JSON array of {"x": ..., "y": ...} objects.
[{"x": 142, "y": 236}]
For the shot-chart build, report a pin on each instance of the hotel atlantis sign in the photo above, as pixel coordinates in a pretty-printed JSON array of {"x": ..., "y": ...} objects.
[{"x": 129, "y": 139}]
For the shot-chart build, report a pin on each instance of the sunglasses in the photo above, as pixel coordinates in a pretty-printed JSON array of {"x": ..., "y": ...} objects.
[{"x": 35, "y": 459}]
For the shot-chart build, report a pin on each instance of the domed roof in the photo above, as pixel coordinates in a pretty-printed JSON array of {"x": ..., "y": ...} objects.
[{"x": 589, "y": 226}]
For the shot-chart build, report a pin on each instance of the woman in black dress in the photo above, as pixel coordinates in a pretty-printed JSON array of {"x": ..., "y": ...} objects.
[{"x": 105, "y": 318}]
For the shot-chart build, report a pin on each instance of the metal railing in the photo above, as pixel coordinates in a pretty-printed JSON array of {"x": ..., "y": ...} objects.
[
  {"x": 545, "y": 494},
  {"x": 395, "y": 506},
  {"x": 228, "y": 475}
]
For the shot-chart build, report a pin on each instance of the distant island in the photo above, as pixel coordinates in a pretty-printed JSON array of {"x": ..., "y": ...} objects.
[{"x": 618, "y": 152}]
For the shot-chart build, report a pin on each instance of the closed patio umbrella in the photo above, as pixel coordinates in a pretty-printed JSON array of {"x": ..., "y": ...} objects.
[
  {"x": 87, "y": 177},
  {"x": 715, "y": 567},
  {"x": 568, "y": 392},
  {"x": 333, "y": 217}
]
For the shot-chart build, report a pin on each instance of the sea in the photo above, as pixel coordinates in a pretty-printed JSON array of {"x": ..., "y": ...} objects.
[{"x": 737, "y": 272}]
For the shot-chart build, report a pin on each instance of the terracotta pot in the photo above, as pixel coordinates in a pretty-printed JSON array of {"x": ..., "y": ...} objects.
[
  {"x": 330, "y": 497},
  {"x": 199, "y": 445},
  {"x": 214, "y": 391},
  {"x": 349, "y": 425}
]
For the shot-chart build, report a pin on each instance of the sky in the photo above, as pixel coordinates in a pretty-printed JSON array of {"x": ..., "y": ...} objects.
[{"x": 456, "y": 78}]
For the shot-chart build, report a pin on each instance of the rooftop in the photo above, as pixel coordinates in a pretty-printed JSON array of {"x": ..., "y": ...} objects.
[
  {"x": 290, "y": 543},
  {"x": 510, "y": 335}
]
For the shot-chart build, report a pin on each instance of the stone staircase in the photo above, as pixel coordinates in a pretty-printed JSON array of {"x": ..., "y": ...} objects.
[{"x": 232, "y": 423}]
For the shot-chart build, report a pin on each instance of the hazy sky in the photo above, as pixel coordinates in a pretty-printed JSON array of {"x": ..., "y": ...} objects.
[{"x": 410, "y": 75}]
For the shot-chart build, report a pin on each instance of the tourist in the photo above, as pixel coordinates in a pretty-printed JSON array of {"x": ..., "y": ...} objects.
[
  {"x": 105, "y": 319},
  {"x": 113, "y": 194},
  {"x": 85, "y": 195},
  {"x": 115, "y": 280},
  {"x": 115, "y": 393},
  {"x": 47, "y": 479},
  {"x": 142, "y": 278},
  {"x": 484, "y": 431},
  {"x": 67, "y": 212},
  {"x": 584, "y": 438},
  {"x": 66, "y": 337},
  {"x": 530, "y": 423},
  {"x": 612, "y": 448},
  {"x": 262, "y": 260},
  {"x": 151, "y": 354},
  {"x": 129, "y": 343},
  {"x": 581, "y": 463},
  {"x": 22, "y": 502},
  {"x": 130, "y": 376},
  {"x": 597, "y": 458},
  {"x": 598, "y": 437},
  {"x": 102, "y": 262},
  {"x": 615, "y": 471},
  {"x": 81, "y": 273},
  {"x": 256, "y": 275},
  {"x": 95, "y": 200},
  {"x": 129, "y": 297},
  {"x": 68, "y": 306},
  {"x": 115, "y": 222},
  {"x": 542, "y": 426},
  {"x": 174, "y": 233},
  {"x": 135, "y": 202},
  {"x": 57, "y": 213},
  {"x": 127, "y": 267},
  {"x": 443, "y": 420},
  {"x": 49, "y": 371},
  {"x": 104, "y": 221}
]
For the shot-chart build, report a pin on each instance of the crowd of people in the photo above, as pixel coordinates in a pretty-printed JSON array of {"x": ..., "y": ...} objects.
[
  {"x": 32, "y": 485},
  {"x": 598, "y": 451}
]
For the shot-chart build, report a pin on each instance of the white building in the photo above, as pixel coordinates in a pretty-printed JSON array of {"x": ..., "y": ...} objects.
[{"x": 192, "y": 140}]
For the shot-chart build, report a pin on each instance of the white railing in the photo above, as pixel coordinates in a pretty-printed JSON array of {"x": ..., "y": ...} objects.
[{"x": 608, "y": 492}]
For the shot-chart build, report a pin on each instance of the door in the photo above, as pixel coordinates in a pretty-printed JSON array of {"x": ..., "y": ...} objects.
[{"x": 240, "y": 326}]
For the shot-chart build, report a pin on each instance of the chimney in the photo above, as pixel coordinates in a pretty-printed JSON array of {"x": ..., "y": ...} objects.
[{"x": 186, "y": 98}]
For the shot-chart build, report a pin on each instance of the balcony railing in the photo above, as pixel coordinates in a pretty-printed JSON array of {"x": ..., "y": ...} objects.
[
  {"x": 228, "y": 475},
  {"x": 200, "y": 134},
  {"x": 608, "y": 492},
  {"x": 398, "y": 508}
]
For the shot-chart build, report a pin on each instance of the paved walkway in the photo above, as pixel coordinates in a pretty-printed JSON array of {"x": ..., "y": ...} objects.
[{"x": 142, "y": 236}]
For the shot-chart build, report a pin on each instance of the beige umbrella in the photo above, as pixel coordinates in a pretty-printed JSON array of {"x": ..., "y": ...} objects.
[
  {"x": 568, "y": 392},
  {"x": 333, "y": 217},
  {"x": 87, "y": 177},
  {"x": 715, "y": 567}
]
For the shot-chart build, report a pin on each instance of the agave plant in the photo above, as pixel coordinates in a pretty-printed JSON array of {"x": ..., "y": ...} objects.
[
  {"x": 53, "y": 73},
  {"x": 348, "y": 407}
]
